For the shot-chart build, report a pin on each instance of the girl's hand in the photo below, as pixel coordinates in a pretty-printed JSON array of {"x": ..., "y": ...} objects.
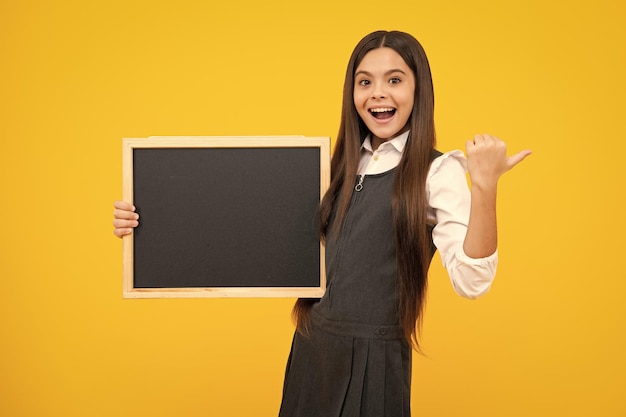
[
  {"x": 125, "y": 218},
  {"x": 487, "y": 160}
]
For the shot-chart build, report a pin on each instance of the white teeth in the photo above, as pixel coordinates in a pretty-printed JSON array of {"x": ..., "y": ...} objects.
[{"x": 381, "y": 110}]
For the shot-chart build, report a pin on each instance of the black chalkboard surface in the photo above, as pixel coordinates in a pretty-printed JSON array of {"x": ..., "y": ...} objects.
[{"x": 225, "y": 216}]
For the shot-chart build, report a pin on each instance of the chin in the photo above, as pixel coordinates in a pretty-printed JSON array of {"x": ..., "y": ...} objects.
[{"x": 386, "y": 134}]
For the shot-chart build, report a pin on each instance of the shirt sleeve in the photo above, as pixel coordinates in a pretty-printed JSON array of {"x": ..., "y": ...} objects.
[{"x": 449, "y": 200}]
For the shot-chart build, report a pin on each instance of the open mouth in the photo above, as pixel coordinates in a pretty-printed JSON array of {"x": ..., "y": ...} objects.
[{"x": 383, "y": 112}]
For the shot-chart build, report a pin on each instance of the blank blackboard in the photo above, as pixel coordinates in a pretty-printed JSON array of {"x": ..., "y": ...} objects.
[{"x": 225, "y": 216}]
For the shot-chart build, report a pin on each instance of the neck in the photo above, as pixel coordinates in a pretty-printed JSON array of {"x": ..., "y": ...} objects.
[{"x": 376, "y": 142}]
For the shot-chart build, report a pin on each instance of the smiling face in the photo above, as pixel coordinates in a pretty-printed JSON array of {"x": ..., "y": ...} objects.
[{"x": 384, "y": 93}]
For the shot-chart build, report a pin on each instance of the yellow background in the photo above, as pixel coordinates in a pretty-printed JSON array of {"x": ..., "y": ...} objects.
[{"x": 78, "y": 76}]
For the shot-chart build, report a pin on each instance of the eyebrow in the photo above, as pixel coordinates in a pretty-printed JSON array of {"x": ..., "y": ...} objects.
[{"x": 391, "y": 71}]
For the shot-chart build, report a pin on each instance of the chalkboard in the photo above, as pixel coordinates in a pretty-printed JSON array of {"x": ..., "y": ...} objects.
[{"x": 225, "y": 216}]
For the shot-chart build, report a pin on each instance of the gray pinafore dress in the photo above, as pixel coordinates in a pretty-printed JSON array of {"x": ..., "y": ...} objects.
[{"x": 355, "y": 361}]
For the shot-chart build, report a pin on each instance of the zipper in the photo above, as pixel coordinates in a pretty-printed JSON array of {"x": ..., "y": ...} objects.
[
  {"x": 359, "y": 185},
  {"x": 347, "y": 221}
]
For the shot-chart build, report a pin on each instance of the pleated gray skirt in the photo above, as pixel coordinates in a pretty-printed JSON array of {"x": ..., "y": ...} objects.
[{"x": 347, "y": 370}]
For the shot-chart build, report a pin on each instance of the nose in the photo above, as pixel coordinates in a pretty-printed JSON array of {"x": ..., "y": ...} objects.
[{"x": 378, "y": 91}]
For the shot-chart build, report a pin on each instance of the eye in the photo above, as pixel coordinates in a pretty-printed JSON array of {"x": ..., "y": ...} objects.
[
  {"x": 363, "y": 82},
  {"x": 395, "y": 80}
]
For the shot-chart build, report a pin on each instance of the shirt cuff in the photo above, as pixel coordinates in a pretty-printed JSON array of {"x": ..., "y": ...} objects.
[
  {"x": 488, "y": 260},
  {"x": 472, "y": 277}
]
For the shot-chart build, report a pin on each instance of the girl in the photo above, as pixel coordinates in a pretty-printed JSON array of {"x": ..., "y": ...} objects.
[{"x": 392, "y": 200}]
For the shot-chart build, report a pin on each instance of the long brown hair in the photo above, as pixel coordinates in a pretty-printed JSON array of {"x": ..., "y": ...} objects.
[{"x": 409, "y": 205}]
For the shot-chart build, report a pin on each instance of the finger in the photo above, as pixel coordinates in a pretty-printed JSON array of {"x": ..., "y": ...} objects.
[
  {"x": 484, "y": 137},
  {"x": 125, "y": 214},
  {"x": 518, "y": 157},
  {"x": 122, "y": 232},
  {"x": 123, "y": 205},
  {"x": 482, "y": 140},
  {"x": 125, "y": 224}
]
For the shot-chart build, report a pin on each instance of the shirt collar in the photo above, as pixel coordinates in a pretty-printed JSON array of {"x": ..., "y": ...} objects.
[{"x": 399, "y": 142}]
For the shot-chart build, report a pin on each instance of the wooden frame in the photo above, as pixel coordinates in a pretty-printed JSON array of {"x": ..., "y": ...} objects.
[{"x": 209, "y": 145}]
